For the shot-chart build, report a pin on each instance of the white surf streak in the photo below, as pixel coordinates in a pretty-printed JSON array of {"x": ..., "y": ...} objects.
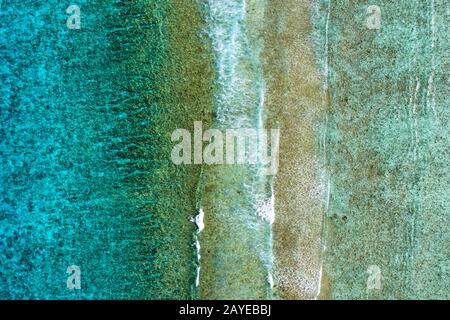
[
  {"x": 431, "y": 89},
  {"x": 266, "y": 209},
  {"x": 200, "y": 225},
  {"x": 270, "y": 280},
  {"x": 198, "y": 220},
  {"x": 197, "y": 279}
]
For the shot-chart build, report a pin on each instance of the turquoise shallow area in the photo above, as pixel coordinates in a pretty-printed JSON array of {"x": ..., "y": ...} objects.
[
  {"x": 77, "y": 148},
  {"x": 86, "y": 177}
]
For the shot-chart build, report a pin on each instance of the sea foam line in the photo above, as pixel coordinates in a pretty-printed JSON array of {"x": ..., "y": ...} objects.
[{"x": 200, "y": 225}]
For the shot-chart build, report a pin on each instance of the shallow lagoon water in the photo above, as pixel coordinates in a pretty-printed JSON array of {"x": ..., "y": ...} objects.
[{"x": 358, "y": 208}]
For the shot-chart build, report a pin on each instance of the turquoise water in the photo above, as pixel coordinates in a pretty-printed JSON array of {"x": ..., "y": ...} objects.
[
  {"x": 77, "y": 148},
  {"x": 86, "y": 177}
]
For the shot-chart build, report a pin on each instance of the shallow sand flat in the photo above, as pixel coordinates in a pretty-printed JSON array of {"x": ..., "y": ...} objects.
[
  {"x": 295, "y": 100},
  {"x": 387, "y": 225}
]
